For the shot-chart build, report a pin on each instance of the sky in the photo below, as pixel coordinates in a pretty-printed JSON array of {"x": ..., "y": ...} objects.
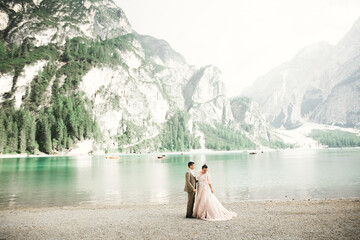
[{"x": 244, "y": 38}]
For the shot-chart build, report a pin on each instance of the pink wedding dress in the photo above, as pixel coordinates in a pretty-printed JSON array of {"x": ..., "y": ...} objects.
[{"x": 207, "y": 206}]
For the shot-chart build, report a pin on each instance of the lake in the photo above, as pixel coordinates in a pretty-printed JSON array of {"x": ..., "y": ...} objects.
[{"x": 137, "y": 179}]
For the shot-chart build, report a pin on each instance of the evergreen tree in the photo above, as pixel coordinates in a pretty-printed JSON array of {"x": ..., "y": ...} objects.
[
  {"x": 44, "y": 135},
  {"x": 22, "y": 141},
  {"x": 13, "y": 51},
  {"x": 12, "y": 145},
  {"x": 59, "y": 135},
  {"x": 31, "y": 144},
  {"x": 3, "y": 138},
  {"x": 3, "y": 52}
]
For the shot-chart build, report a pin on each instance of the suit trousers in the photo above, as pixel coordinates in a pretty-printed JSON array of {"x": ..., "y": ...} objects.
[{"x": 190, "y": 204}]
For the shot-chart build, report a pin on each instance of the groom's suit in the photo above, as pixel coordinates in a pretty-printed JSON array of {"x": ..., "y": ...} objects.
[{"x": 190, "y": 185}]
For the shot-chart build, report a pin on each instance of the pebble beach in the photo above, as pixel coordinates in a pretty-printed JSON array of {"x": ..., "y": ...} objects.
[{"x": 315, "y": 219}]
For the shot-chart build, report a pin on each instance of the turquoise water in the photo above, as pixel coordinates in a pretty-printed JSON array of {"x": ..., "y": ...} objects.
[{"x": 136, "y": 179}]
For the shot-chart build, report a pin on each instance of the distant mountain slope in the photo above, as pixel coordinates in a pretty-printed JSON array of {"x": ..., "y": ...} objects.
[{"x": 319, "y": 84}]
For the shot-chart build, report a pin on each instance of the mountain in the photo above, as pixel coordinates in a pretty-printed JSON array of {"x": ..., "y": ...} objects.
[
  {"x": 74, "y": 73},
  {"x": 319, "y": 84}
]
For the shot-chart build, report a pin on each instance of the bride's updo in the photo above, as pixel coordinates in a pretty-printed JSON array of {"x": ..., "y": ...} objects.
[{"x": 204, "y": 166}]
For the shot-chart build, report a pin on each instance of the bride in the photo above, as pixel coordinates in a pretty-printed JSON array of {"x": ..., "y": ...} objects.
[{"x": 207, "y": 206}]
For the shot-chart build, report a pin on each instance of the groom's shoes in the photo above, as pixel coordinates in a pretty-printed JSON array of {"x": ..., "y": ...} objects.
[{"x": 189, "y": 216}]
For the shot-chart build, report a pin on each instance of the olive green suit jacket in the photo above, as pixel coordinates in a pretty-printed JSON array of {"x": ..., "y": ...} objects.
[{"x": 190, "y": 182}]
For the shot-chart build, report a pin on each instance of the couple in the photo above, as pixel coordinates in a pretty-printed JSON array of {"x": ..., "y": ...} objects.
[{"x": 207, "y": 206}]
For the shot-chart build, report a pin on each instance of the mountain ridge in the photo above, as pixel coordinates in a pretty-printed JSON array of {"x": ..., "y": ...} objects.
[{"x": 87, "y": 81}]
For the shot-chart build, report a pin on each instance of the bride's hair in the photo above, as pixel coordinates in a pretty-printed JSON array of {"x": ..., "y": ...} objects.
[{"x": 204, "y": 166}]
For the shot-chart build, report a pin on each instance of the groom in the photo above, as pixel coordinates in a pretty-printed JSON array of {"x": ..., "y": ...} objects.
[{"x": 190, "y": 188}]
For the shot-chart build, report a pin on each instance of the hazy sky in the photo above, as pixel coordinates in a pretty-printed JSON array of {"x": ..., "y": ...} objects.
[{"x": 244, "y": 38}]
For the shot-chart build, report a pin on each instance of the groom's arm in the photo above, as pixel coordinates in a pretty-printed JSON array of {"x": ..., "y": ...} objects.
[{"x": 188, "y": 183}]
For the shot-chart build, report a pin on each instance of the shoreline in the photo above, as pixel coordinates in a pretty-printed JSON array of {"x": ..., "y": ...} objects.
[
  {"x": 157, "y": 204},
  {"x": 197, "y": 151},
  {"x": 299, "y": 219}
]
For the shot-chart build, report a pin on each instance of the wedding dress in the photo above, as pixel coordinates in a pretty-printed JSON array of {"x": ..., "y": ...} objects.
[{"x": 207, "y": 206}]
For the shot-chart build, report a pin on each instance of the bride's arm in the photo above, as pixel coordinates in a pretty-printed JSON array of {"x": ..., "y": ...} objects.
[
  {"x": 211, "y": 188},
  {"x": 210, "y": 184}
]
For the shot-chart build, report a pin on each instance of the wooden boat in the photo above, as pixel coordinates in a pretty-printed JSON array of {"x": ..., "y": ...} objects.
[
  {"x": 159, "y": 157},
  {"x": 252, "y": 152},
  {"x": 110, "y": 157}
]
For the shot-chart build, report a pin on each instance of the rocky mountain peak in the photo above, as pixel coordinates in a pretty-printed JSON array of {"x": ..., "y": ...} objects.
[
  {"x": 46, "y": 21},
  {"x": 310, "y": 85}
]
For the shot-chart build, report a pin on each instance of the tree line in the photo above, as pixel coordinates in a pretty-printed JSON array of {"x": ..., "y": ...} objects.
[
  {"x": 176, "y": 136},
  {"x": 336, "y": 138},
  {"x": 51, "y": 129},
  {"x": 222, "y": 137}
]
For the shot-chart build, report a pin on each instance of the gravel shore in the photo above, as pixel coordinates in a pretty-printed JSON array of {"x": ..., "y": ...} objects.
[{"x": 322, "y": 219}]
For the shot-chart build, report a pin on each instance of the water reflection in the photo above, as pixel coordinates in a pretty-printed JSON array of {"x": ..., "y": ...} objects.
[{"x": 61, "y": 181}]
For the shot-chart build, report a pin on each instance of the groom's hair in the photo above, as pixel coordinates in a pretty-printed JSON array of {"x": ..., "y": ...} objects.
[{"x": 190, "y": 163}]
